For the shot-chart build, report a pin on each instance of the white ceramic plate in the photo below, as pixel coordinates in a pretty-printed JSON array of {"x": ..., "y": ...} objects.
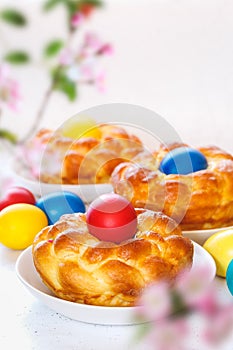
[
  {"x": 87, "y": 313},
  {"x": 200, "y": 236},
  {"x": 87, "y": 192}
]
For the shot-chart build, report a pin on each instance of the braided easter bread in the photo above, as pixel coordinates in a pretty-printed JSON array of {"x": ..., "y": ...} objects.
[
  {"x": 84, "y": 160},
  {"x": 78, "y": 267},
  {"x": 200, "y": 200}
]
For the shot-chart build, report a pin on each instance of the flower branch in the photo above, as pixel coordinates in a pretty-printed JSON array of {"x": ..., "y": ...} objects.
[
  {"x": 74, "y": 66},
  {"x": 170, "y": 311}
]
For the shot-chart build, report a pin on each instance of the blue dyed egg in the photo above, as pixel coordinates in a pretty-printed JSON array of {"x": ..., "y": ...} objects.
[
  {"x": 229, "y": 277},
  {"x": 57, "y": 204},
  {"x": 183, "y": 160}
]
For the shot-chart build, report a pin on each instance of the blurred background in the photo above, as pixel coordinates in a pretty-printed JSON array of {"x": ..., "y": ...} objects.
[{"x": 172, "y": 56}]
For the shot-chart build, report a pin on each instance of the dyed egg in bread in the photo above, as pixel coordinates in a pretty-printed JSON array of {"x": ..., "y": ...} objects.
[
  {"x": 19, "y": 224},
  {"x": 112, "y": 218},
  {"x": 80, "y": 126},
  {"x": 57, "y": 204},
  {"x": 183, "y": 160},
  {"x": 229, "y": 277},
  {"x": 220, "y": 246}
]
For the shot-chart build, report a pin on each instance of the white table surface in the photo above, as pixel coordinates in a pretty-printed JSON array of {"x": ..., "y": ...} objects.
[{"x": 27, "y": 323}]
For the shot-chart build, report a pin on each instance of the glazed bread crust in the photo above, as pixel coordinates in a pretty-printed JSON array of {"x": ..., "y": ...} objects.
[
  {"x": 78, "y": 267},
  {"x": 86, "y": 160},
  {"x": 200, "y": 200}
]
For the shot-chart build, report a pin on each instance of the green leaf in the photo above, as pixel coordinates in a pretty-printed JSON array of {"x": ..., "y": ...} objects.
[
  {"x": 64, "y": 84},
  {"x": 53, "y": 48},
  {"x": 7, "y": 135},
  {"x": 50, "y": 4},
  {"x": 68, "y": 87},
  {"x": 71, "y": 8},
  {"x": 95, "y": 3},
  {"x": 13, "y": 17},
  {"x": 17, "y": 57}
]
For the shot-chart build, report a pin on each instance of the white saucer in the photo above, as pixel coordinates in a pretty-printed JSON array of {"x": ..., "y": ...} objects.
[
  {"x": 87, "y": 313},
  {"x": 200, "y": 236}
]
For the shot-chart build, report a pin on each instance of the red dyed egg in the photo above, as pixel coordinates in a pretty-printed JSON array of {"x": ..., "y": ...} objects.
[
  {"x": 112, "y": 218},
  {"x": 16, "y": 195}
]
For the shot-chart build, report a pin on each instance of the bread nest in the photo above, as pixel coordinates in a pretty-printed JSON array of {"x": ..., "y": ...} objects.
[
  {"x": 85, "y": 160},
  {"x": 78, "y": 267},
  {"x": 200, "y": 200}
]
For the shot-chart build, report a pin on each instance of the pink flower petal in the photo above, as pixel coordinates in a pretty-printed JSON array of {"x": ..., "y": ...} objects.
[
  {"x": 77, "y": 19},
  {"x": 169, "y": 335},
  {"x": 92, "y": 42},
  {"x": 106, "y": 49},
  {"x": 9, "y": 89},
  {"x": 156, "y": 302},
  {"x": 66, "y": 57},
  {"x": 100, "y": 82},
  {"x": 192, "y": 284},
  {"x": 219, "y": 326}
]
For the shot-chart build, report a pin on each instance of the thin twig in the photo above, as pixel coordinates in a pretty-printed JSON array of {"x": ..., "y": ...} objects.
[{"x": 39, "y": 115}]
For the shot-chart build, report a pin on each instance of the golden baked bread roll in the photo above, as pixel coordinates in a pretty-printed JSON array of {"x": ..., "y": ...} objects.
[
  {"x": 199, "y": 200},
  {"x": 83, "y": 160},
  {"x": 78, "y": 267}
]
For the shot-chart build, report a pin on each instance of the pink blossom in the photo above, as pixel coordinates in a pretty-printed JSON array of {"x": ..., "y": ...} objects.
[
  {"x": 168, "y": 335},
  {"x": 192, "y": 284},
  {"x": 106, "y": 49},
  {"x": 38, "y": 156},
  {"x": 198, "y": 295},
  {"x": 207, "y": 303},
  {"x": 156, "y": 302},
  {"x": 219, "y": 326},
  {"x": 77, "y": 19},
  {"x": 92, "y": 42},
  {"x": 9, "y": 89},
  {"x": 67, "y": 57},
  {"x": 93, "y": 45},
  {"x": 88, "y": 70},
  {"x": 83, "y": 66},
  {"x": 32, "y": 156},
  {"x": 84, "y": 72},
  {"x": 100, "y": 82}
]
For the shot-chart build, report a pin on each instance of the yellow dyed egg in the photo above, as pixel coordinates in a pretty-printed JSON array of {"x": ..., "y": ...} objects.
[
  {"x": 220, "y": 246},
  {"x": 80, "y": 126},
  {"x": 19, "y": 224}
]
